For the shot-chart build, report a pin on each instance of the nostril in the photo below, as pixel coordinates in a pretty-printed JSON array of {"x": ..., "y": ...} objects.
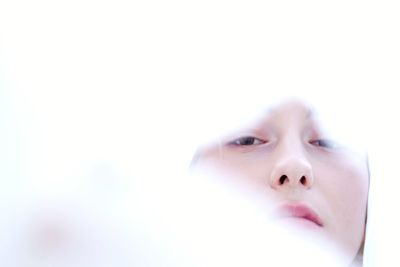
[
  {"x": 282, "y": 179},
  {"x": 303, "y": 180}
]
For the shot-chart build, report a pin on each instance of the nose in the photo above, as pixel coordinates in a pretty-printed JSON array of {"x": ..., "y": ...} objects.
[{"x": 292, "y": 171}]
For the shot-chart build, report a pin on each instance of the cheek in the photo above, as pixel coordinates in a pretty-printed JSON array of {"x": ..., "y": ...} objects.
[
  {"x": 351, "y": 184},
  {"x": 345, "y": 189},
  {"x": 343, "y": 178},
  {"x": 246, "y": 170},
  {"x": 346, "y": 186},
  {"x": 241, "y": 165}
]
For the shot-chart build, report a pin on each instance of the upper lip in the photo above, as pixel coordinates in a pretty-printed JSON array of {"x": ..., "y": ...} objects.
[{"x": 299, "y": 211}]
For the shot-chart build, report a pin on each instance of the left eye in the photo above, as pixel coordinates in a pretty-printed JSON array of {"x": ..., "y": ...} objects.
[
  {"x": 247, "y": 141},
  {"x": 324, "y": 143}
]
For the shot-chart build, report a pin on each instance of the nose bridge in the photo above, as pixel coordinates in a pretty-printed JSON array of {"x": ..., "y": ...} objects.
[
  {"x": 291, "y": 167},
  {"x": 290, "y": 146}
]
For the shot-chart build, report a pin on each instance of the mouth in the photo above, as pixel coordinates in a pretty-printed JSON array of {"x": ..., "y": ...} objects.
[{"x": 299, "y": 212}]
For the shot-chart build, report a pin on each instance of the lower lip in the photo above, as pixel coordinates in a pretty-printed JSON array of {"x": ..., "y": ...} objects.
[{"x": 300, "y": 222}]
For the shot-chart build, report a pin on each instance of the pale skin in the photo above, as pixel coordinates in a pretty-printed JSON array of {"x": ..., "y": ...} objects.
[{"x": 288, "y": 158}]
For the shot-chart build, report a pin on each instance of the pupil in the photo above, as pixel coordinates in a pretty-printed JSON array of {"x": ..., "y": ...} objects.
[
  {"x": 324, "y": 143},
  {"x": 248, "y": 141}
]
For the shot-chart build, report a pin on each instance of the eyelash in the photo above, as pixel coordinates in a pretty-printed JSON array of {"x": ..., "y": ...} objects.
[
  {"x": 326, "y": 143},
  {"x": 247, "y": 141}
]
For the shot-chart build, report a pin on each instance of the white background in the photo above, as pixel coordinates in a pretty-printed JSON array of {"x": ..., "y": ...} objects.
[{"x": 98, "y": 98}]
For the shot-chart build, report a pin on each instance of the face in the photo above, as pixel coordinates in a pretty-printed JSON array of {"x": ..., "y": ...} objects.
[{"x": 297, "y": 172}]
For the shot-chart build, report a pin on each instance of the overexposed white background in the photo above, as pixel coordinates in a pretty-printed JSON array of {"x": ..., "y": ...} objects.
[{"x": 101, "y": 101}]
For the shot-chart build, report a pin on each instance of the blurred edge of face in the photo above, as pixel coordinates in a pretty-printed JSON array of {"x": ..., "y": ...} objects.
[{"x": 292, "y": 161}]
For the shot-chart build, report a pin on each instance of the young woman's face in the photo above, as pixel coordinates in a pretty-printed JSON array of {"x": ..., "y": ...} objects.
[{"x": 301, "y": 176}]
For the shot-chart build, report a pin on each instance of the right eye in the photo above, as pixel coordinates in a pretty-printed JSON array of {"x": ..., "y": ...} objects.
[{"x": 247, "y": 141}]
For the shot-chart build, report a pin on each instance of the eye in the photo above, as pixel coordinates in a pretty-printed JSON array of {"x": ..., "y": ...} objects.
[
  {"x": 247, "y": 141},
  {"x": 326, "y": 143}
]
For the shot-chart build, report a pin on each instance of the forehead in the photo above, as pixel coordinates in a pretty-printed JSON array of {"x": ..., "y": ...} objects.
[
  {"x": 292, "y": 111},
  {"x": 292, "y": 106}
]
